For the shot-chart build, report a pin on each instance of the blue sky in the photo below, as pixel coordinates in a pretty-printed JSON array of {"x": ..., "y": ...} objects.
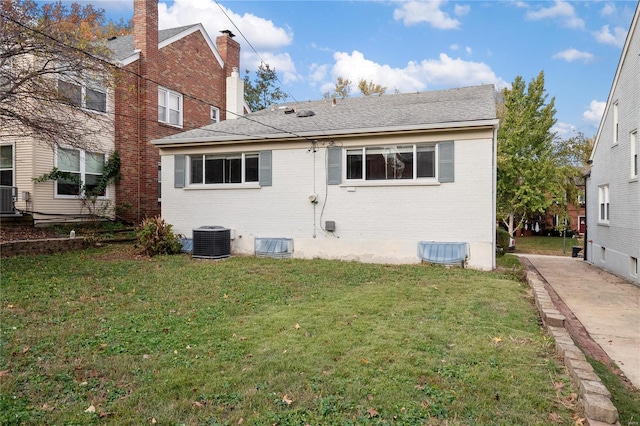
[{"x": 423, "y": 45}]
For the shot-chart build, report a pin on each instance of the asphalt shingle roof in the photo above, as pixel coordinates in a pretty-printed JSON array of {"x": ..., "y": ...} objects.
[
  {"x": 122, "y": 46},
  {"x": 353, "y": 115}
]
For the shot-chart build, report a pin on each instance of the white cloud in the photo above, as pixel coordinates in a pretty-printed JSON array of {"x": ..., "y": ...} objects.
[
  {"x": 262, "y": 33},
  {"x": 564, "y": 130},
  {"x": 561, "y": 10},
  {"x": 571, "y": 55},
  {"x": 454, "y": 46},
  {"x": 594, "y": 114},
  {"x": 608, "y": 9},
  {"x": 416, "y": 12},
  {"x": 468, "y": 50},
  {"x": 460, "y": 10},
  {"x": 442, "y": 72},
  {"x": 318, "y": 73},
  {"x": 605, "y": 36},
  {"x": 281, "y": 62},
  {"x": 265, "y": 37}
]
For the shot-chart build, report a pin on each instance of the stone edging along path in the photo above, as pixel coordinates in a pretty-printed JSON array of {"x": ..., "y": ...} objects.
[{"x": 595, "y": 398}]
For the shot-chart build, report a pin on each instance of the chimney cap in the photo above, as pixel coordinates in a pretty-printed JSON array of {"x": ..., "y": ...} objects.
[{"x": 228, "y": 32}]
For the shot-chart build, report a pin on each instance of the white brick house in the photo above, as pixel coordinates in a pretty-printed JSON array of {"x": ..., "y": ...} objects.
[
  {"x": 362, "y": 179},
  {"x": 613, "y": 186}
]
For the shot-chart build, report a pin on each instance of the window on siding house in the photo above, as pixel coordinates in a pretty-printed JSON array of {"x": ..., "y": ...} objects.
[
  {"x": 215, "y": 115},
  {"x": 169, "y": 107},
  {"x": 212, "y": 169},
  {"x": 603, "y": 201},
  {"x": 391, "y": 162},
  {"x": 633, "y": 153},
  {"x": 84, "y": 93},
  {"x": 6, "y": 165},
  {"x": 86, "y": 167}
]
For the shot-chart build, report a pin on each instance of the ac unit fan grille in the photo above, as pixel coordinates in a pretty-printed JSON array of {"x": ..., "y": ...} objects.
[{"x": 211, "y": 242}]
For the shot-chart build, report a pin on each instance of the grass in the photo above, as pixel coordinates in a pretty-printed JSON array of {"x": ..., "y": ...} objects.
[
  {"x": 101, "y": 337},
  {"x": 625, "y": 400},
  {"x": 546, "y": 245}
]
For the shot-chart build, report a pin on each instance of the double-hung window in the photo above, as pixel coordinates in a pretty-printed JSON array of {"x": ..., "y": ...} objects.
[
  {"x": 410, "y": 162},
  {"x": 169, "y": 107},
  {"x": 603, "y": 202},
  {"x": 83, "y": 92},
  {"x": 215, "y": 115},
  {"x": 6, "y": 165},
  {"x": 81, "y": 168},
  {"x": 214, "y": 169}
]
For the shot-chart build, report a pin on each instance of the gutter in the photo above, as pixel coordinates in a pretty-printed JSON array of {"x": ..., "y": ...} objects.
[{"x": 239, "y": 138}]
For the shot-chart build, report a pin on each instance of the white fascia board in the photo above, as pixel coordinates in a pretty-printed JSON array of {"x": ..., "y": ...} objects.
[
  {"x": 130, "y": 59},
  {"x": 191, "y": 30},
  {"x": 325, "y": 134}
]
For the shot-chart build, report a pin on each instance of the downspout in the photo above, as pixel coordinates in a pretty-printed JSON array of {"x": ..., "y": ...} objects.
[
  {"x": 494, "y": 172},
  {"x": 586, "y": 216},
  {"x": 141, "y": 112}
]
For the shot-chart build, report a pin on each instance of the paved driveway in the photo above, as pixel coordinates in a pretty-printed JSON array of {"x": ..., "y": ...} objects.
[{"x": 607, "y": 306}]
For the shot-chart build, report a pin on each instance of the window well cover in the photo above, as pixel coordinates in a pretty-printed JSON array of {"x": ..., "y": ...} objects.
[
  {"x": 279, "y": 248},
  {"x": 443, "y": 252}
]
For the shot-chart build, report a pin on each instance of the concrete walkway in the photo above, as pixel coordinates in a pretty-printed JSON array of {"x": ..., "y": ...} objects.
[{"x": 607, "y": 306}]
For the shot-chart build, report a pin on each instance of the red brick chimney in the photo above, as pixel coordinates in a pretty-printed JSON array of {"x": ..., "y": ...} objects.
[
  {"x": 145, "y": 28},
  {"x": 229, "y": 50},
  {"x": 145, "y": 36}
]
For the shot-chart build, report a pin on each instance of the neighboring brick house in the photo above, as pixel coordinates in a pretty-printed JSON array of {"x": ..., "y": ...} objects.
[{"x": 170, "y": 81}]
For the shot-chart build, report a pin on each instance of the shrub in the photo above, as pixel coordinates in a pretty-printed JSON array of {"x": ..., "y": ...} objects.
[
  {"x": 154, "y": 236},
  {"x": 502, "y": 239}
]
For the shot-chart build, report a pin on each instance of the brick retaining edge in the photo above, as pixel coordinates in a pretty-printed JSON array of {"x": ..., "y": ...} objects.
[
  {"x": 43, "y": 246},
  {"x": 595, "y": 398}
]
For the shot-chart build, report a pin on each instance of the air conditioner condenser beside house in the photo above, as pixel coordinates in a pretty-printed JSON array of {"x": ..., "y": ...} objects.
[{"x": 211, "y": 242}]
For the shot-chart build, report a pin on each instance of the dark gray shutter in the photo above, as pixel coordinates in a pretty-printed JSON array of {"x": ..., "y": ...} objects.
[
  {"x": 179, "y": 162},
  {"x": 334, "y": 165},
  {"x": 264, "y": 164},
  {"x": 445, "y": 162}
]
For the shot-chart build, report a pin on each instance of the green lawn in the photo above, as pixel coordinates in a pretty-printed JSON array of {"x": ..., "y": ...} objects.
[
  {"x": 98, "y": 337},
  {"x": 547, "y": 245}
]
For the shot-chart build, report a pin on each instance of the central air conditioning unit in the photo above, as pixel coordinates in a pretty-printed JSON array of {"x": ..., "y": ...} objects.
[{"x": 211, "y": 242}]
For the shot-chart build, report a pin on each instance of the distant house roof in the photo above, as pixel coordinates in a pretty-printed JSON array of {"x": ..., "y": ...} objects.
[
  {"x": 124, "y": 52},
  {"x": 359, "y": 115}
]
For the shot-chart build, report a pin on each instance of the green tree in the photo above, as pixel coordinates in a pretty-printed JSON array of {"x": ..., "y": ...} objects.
[
  {"x": 369, "y": 88},
  {"x": 42, "y": 45},
  {"x": 341, "y": 90},
  {"x": 263, "y": 92},
  {"x": 572, "y": 156},
  {"x": 528, "y": 181}
]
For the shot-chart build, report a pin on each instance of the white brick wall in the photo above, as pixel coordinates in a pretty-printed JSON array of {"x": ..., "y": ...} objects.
[{"x": 373, "y": 223}]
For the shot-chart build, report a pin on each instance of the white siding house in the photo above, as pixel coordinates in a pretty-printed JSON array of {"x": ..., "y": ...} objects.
[
  {"x": 613, "y": 188},
  {"x": 24, "y": 156},
  {"x": 364, "y": 179}
]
